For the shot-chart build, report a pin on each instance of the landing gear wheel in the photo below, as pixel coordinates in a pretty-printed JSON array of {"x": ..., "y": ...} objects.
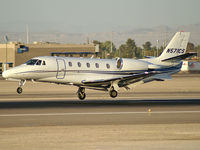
[
  {"x": 81, "y": 93},
  {"x": 21, "y": 83},
  {"x": 113, "y": 93},
  {"x": 19, "y": 90}
]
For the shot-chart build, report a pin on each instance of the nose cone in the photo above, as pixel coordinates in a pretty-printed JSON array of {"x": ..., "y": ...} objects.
[
  {"x": 5, "y": 74},
  {"x": 11, "y": 73}
]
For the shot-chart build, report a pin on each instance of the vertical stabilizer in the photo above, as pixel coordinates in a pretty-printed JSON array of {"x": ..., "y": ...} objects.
[{"x": 176, "y": 47}]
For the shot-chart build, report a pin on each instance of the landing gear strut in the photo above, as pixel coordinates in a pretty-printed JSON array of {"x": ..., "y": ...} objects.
[
  {"x": 19, "y": 89},
  {"x": 81, "y": 93}
]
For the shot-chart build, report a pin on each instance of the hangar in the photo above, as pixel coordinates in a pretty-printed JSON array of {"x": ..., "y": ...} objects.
[{"x": 14, "y": 53}]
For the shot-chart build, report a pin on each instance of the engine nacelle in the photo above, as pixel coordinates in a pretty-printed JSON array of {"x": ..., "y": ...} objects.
[{"x": 131, "y": 64}]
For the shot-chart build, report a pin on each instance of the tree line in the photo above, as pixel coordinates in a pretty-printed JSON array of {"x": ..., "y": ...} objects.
[{"x": 130, "y": 50}]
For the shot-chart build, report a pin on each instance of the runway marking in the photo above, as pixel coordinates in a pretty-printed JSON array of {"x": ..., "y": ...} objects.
[{"x": 97, "y": 113}]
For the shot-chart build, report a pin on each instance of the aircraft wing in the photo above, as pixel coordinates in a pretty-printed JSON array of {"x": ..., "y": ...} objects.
[{"x": 122, "y": 80}]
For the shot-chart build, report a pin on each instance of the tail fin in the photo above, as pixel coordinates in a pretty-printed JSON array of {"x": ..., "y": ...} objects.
[{"x": 176, "y": 47}]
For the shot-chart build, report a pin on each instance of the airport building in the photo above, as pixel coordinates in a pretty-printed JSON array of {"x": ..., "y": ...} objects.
[{"x": 14, "y": 53}]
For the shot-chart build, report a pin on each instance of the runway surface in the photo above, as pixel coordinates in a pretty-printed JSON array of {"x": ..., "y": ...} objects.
[
  {"x": 98, "y": 112},
  {"x": 100, "y": 124}
]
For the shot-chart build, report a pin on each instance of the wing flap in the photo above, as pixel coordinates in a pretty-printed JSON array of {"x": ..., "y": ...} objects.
[{"x": 122, "y": 79}]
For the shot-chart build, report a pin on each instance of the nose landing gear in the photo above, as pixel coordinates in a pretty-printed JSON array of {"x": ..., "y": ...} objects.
[
  {"x": 81, "y": 93},
  {"x": 19, "y": 89}
]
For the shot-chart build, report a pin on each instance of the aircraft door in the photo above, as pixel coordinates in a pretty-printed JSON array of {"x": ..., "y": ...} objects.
[{"x": 61, "y": 67}]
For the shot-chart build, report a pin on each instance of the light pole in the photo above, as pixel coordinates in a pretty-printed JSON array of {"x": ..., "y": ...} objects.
[
  {"x": 6, "y": 40},
  {"x": 27, "y": 34},
  {"x": 157, "y": 47},
  {"x": 111, "y": 46}
]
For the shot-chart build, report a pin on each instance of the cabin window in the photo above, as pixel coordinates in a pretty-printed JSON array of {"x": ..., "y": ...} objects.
[
  {"x": 107, "y": 66},
  {"x": 88, "y": 65},
  {"x": 43, "y": 63},
  {"x": 38, "y": 62},
  {"x": 79, "y": 64},
  {"x": 31, "y": 62},
  {"x": 97, "y": 65},
  {"x": 70, "y": 64}
]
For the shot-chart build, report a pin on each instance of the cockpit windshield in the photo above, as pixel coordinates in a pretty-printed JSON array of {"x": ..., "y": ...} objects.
[
  {"x": 38, "y": 62},
  {"x": 35, "y": 62},
  {"x": 31, "y": 62}
]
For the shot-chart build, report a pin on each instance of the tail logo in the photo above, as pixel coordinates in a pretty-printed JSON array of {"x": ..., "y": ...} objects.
[{"x": 174, "y": 50}]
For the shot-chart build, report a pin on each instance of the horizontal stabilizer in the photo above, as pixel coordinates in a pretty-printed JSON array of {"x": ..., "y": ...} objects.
[
  {"x": 151, "y": 57},
  {"x": 180, "y": 57}
]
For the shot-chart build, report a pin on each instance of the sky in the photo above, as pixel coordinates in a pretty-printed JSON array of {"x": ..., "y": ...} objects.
[{"x": 86, "y": 16}]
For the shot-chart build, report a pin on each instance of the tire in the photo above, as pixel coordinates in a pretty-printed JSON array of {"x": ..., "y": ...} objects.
[
  {"x": 113, "y": 93},
  {"x": 81, "y": 95},
  {"x": 19, "y": 90}
]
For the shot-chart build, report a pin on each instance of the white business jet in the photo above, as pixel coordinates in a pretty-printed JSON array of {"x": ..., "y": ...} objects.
[{"x": 103, "y": 74}]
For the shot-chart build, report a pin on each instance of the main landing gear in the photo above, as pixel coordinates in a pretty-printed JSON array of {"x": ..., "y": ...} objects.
[
  {"x": 81, "y": 93},
  {"x": 113, "y": 93},
  {"x": 19, "y": 89}
]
